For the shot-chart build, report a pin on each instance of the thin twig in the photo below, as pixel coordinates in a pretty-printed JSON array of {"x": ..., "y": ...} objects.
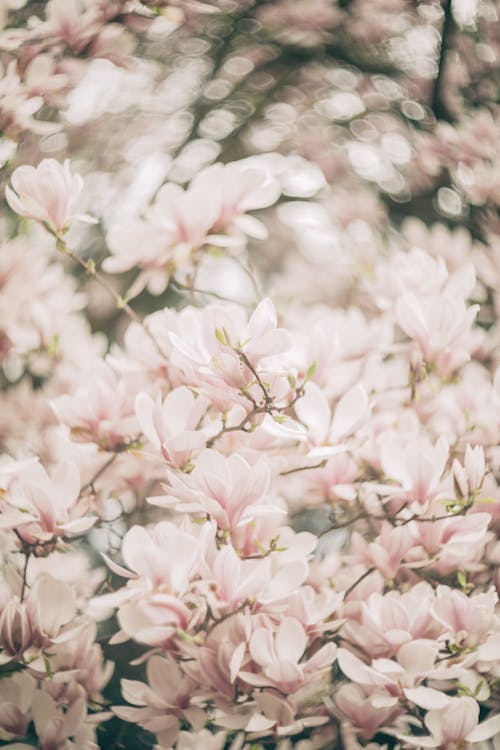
[
  {"x": 303, "y": 468},
  {"x": 99, "y": 473},
  {"x": 120, "y": 302},
  {"x": 193, "y": 290},
  {"x": 356, "y": 583},
  {"x": 27, "y": 555}
]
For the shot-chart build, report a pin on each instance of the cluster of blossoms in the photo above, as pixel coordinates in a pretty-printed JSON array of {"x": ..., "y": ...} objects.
[{"x": 251, "y": 521}]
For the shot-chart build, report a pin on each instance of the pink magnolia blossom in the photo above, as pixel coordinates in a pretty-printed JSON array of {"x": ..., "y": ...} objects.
[
  {"x": 457, "y": 539},
  {"x": 389, "y": 621},
  {"x": 325, "y": 432},
  {"x": 417, "y": 466},
  {"x": 160, "y": 566},
  {"x": 244, "y": 186},
  {"x": 55, "y": 726},
  {"x": 441, "y": 328},
  {"x": 161, "y": 705},
  {"x": 469, "y": 476},
  {"x": 16, "y": 696},
  {"x": 237, "y": 579},
  {"x": 171, "y": 425},
  {"x": 467, "y": 621},
  {"x": 102, "y": 411},
  {"x": 230, "y": 491},
  {"x": 279, "y": 657},
  {"x": 454, "y": 725},
  {"x": 354, "y": 703},
  {"x": 387, "y": 551},
  {"x": 42, "y": 506},
  {"x": 393, "y": 680},
  {"x": 48, "y": 193},
  {"x": 211, "y": 341},
  {"x": 42, "y": 620},
  {"x": 212, "y": 210}
]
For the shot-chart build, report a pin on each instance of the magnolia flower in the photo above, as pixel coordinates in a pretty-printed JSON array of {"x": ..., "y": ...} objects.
[
  {"x": 393, "y": 679},
  {"x": 441, "y": 328},
  {"x": 171, "y": 426},
  {"x": 47, "y": 193},
  {"x": 220, "y": 344},
  {"x": 279, "y": 655},
  {"x": 163, "y": 703},
  {"x": 469, "y": 476},
  {"x": 416, "y": 465},
  {"x": 42, "y": 506},
  {"x": 389, "y": 621},
  {"x": 16, "y": 695},
  {"x": 353, "y": 703},
  {"x": 230, "y": 490},
  {"x": 325, "y": 432},
  {"x": 455, "y": 725},
  {"x": 42, "y": 620},
  {"x": 101, "y": 411}
]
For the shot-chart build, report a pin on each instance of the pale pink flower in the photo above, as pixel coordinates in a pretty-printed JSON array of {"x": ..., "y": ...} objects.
[
  {"x": 171, "y": 425},
  {"x": 455, "y": 725},
  {"x": 161, "y": 564},
  {"x": 102, "y": 411},
  {"x": 81, "y": 659},
  {"x": 16, "y": 633},
  {"x": 48, "y": 193},
  {"x": 416, "y": 465},
  {"x": 244, "y": 186},
  {"x": 388, "y": 550},
  {"x": 457, "y": 538},
  {"x": 467, "y": 620},
  {"x": 325, "y": 432},
  {"x": 389, "y": 621},
  {"x": 42, "y": 506},
  {"x": 166, "y": 556},
  {"x": 353, "y": 702},
  {"x": 209, "y": 343},
  {"x": 54, "y": 726},
  {"x": 51, "y": 606},
  {"x": 392, "y": 680},
  {"x": 212, "y": 210},
  {"x": 18, "y": 105},
  {"x": 279, "y": 655},
  {"x": 238, "y": 579},
  {"x": 16, "y": 696},
  {"x": 229, "y": 490},
  {"x": 220, "y": 659},
  {"x": 161, "y": 705},
  {"x": 470, "y": 476},
  {"x": 441, "y": 328}
]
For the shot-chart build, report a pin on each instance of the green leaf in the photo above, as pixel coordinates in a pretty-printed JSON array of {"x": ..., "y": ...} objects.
[
  {"x": 219, "y": 336},
  {"x": 310, "y": 372}
]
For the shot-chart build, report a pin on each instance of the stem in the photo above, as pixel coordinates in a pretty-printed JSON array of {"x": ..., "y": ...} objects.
[
  {"x": 193, "y": 290},
  {"x": 241, "y": 426},
  {"x": 99, "y": 473},
  {"x": 437, "y": 104},
  {"x": 267, "y": 398},
  {"x": 27, "y": 555},
  {"x": 356, "y": 583},
  {"x": 120, "y": 302},
  {"x": 343, "y": 524},
  {"x": 257, "y": 291},
  {"x": 303, "y": 468}
]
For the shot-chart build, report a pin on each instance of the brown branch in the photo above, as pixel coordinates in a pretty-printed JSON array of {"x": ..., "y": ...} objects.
[{"x": 437, "y": 104}]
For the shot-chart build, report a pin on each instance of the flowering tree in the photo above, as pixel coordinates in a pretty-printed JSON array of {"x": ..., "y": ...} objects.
[{"x": 249, "y": 369}]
